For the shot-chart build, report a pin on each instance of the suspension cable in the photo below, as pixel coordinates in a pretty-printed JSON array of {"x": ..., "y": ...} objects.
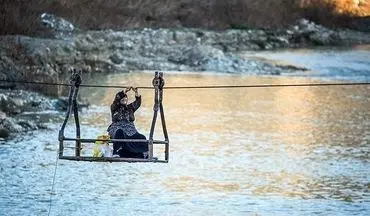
[
  {"x": 35, "y": 83},
  {"x": 200, "y": 87},
  {"x": 266, "y": 85},
  {"x": 53, "y": 183}
]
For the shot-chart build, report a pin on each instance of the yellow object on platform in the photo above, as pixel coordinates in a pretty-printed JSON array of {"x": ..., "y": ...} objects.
[{"x": 98, "y": 149}]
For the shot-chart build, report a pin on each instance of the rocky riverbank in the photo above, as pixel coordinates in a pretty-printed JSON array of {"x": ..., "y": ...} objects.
[
  {"x": 16, "y": 109},
  {"x": 22, "y": 111},
  {"x": 47, "y": 58}
]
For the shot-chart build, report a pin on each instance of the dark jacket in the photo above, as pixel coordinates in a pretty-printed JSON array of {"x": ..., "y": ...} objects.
[
  {"x": 123, "y": 117},
  {"x": 120, "y": 112}
]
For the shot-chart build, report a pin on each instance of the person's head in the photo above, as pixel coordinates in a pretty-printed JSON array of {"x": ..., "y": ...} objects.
[
  {"x": 124, "y": 100},
  {"x": 121, "y": 98}
]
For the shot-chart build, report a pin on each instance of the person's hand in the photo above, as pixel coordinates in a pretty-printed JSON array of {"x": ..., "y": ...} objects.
[
  {"x": 128, "y": 89},
  {"x": 136, "y": 91}
]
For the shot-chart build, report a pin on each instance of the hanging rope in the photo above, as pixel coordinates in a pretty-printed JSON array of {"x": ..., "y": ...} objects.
[
  {"x": 200, "y": 87},
  {"x": 52, "y": 186}
]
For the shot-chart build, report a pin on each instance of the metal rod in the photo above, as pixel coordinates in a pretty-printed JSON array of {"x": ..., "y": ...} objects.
[
  {"x": 111, "y": 159},
  {"x": 68, "y": 112},
  {"x": 114, "y": 140},
  {"x": 82, "y": 145},
  {"x": 75, "y": 113},
  {"x": 155, "y": 83},
  {"x": 151, "y": 141},
  {"x": 167, "y": 148},
  {"x": 163, "y": 120},
  {"x": 103, "y": 140}
]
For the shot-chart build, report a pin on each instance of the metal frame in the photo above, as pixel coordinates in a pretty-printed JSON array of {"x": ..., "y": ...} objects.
[{"x": 75, "y": 82}]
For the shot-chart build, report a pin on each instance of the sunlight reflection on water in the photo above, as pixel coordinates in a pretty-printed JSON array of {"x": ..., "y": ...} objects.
[{"x": 271, "y": 151}]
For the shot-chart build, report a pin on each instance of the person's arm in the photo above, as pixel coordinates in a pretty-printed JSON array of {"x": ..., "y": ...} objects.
[
  {"x": 137, "y": 103},
  {"x": 128, "y": 89},
  {"x": 114, "y": 107}
]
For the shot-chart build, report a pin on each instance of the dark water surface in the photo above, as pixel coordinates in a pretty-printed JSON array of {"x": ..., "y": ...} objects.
[{"x": 265, "y": 151}]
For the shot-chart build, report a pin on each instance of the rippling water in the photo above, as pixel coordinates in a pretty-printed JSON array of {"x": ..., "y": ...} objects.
[
  {"x": 324, "y": 63},
  {"x": 277, "y": 151}
]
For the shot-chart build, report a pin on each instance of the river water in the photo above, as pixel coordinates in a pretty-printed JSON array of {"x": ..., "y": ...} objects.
[{"x": 262, "y": 151}]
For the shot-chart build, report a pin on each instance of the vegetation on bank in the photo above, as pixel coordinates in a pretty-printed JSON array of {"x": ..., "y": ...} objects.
[{"x": 21, "y": 16}]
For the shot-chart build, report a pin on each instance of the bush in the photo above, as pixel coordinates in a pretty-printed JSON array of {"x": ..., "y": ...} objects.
[{"x": 335, "y": 13}]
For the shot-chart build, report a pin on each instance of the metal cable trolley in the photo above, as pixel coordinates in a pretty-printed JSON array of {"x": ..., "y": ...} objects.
[
  {"x": 158, "y": 86},
  {"x": 75, "y": 82}
]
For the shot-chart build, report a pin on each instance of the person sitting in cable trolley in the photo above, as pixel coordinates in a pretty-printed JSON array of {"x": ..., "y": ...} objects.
[
  {"x": 123, "y": 127},
  {"x": 128, "y": 144}
]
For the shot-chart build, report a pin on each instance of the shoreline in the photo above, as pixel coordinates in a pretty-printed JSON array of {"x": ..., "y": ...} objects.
[
  {"x": 107, "y": 51},
  {"x": 47, "y": 60},
  {"x": 104, "y": 52}
]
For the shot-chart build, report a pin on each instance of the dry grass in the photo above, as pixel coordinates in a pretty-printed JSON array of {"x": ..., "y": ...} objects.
[
  {"x": 341, "y": 13},
  {"x": 20, "y": 16},
  {"x": 348, "y": 7}
]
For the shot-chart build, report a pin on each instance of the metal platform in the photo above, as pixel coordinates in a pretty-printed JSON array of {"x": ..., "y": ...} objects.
[
  {"x": 112, "y": 159},
  {"x": 75, "y": 82}
]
